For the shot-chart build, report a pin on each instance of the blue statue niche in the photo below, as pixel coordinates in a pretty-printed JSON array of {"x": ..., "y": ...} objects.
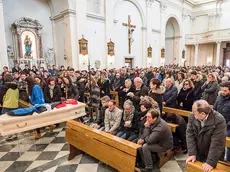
[{"x": 28, "y": 46}]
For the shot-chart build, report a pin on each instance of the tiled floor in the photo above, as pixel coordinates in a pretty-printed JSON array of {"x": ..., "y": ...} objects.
[{"x": 49, "y": 154}]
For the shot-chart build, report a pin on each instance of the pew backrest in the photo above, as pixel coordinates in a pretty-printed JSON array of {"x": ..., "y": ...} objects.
[
  {"x": 197, "y": 167},
  {"x": 177, "y": 111},
  {"x": 112, "y": 150}
]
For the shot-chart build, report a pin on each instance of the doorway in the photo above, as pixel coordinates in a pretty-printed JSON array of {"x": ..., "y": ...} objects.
[{"x": 129, "y": 62}]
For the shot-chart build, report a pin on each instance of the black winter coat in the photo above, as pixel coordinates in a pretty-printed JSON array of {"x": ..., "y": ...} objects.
[
  {"x": 187, "y": 98},
  {"x": 57, "y": 94},
  {"x": 222, "y": 105}
]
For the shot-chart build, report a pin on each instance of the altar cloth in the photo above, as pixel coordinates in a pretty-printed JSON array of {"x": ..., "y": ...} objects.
[{"x": 17, "y": 124}]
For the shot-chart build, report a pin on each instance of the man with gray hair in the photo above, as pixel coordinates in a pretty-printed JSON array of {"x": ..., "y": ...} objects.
[
  {"x": 140, "y": 91},
  {"x": 206, "y": 135}
]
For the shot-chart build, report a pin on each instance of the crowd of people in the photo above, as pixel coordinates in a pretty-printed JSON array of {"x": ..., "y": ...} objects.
[{"x": 204, "y": 90}]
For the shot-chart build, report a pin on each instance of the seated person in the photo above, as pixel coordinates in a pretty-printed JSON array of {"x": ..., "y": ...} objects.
[
  {"x": 157, "y": 137},
  {"x": 126, "y": 122},
  {"x": 113, "y": 117},
  {"x": 179, "y": 137},
  {"x": 99, "y": 123}
]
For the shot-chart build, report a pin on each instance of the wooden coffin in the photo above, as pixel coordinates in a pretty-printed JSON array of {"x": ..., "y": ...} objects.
[{"x": 17, "y": 124}]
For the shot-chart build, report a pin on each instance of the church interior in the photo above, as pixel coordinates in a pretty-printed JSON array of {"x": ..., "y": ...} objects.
[{"x": 106, "y": 37}]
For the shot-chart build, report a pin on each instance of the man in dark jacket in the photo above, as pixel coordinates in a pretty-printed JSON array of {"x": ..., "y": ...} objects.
[
  {"x": 141, "y": 91},
  {"x": 228, "y": 149},
  {"x": 222, "y": 104},
  {"x": 170, "y": 95},
  {"x": 206, "y": 135},
  {"x": 156, "y": 137}
]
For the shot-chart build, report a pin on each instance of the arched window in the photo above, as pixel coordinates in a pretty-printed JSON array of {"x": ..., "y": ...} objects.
[{"x": 95, "y": 6}]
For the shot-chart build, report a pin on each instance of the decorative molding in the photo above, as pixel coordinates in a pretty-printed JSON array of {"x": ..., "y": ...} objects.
[
  {"x": 208, "y": 37},
  {"x": 96, "y": 17},
  {"x": 156, "y": 31},
  {"x": 163, "y": 6},
  {"x": 143, "y": 28},
  {"x": 26, "y": 22},
  {"x": 115, "y": 20},
  {"x": 63, "y": 14},
  {"x": 149, "y": 3}
]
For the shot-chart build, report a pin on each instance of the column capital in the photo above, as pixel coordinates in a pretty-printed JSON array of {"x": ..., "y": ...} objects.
[
  {"x": 1, "y": 1},
  {"x": 218, "y": 42},
  {"x": 196, "y": 45}
]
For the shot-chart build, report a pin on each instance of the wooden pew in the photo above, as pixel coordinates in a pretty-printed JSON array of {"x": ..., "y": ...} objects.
[
  {"x": 197, "y": 167},
  {"x": 228, "y": 142},
  {"x": 115, "y": 94},
  {"x": 23, "y": 104},
  {"x": 172, "y": 127},
  {"x": 177, "y": 111},
  {"x": 116, "y": 152}
]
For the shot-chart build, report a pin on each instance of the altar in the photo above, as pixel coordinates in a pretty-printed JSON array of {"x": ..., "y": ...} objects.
[{"x": 17, "y": 124}]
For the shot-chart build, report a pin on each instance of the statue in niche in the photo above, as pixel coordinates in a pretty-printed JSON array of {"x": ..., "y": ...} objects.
[
  {"x": 97, "y": 64},
  {"x": 50, "y": 56},
  {"x": 28, "y": 46},
  {"x": 10, "y": 54}
]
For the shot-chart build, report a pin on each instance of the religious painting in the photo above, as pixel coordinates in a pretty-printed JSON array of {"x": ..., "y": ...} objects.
[
  {"x": 83, "y": 46},
  {"x": 162, "y": 53},
  {"x": 29, "y": 45},
  {"x": 149, "y": 52},
  {"x": 110, "y": 48}
]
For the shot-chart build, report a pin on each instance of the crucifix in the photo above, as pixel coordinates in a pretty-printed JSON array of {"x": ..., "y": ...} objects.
[{"x": 130, "y": 32}]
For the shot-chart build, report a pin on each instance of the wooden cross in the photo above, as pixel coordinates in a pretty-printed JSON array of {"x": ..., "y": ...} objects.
[{"x": 130, "y": 31}]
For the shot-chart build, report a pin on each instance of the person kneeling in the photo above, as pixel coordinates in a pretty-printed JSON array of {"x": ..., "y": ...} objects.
[{"x": 156, "y": 137}]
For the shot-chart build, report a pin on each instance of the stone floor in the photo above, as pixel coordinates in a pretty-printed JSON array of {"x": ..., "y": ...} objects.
[{"x": 49, "y": 154}]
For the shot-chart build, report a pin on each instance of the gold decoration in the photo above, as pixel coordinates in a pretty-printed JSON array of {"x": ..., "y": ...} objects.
[
  {"x": 110, "y": 45},
  {"x": 83, "y": 46},
  {"x": 149, "y": 51},
  {"x": 162, "y": 53}
]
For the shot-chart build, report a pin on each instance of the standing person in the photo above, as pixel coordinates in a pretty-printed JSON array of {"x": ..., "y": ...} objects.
[
  {"x": 125, "y": 91},
  {"x": 5, "y": 71},
  {"x": 52, "y": 92},
  {"x": 140, "y": 91},
  {"x": 94, "y": 98},
  {"x": 16, "y": 68},
  {"x": 156, "y": 92},
  {"x": 210, "y": 89},
  {"x": 180, "y": 80},
  {"x": 228, "y": 149},
  {"x": 104, "y": 85},
  {"x": 9, "y": 94},
  {"x": 22, "y": 85},
  {"x": 36, "y": 97},
  {"x": 197, "y": 82},
  {"x": 222, "y": 104},
  {"x": 170, "y": 95},
  {"x": 186, "y": 96},
  {"x": 205, "y": 135},
  {"x": 70, "y": 91}
]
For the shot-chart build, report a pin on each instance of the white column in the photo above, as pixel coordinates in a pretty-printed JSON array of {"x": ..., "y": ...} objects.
[
  {"x": 3, "y": 47},
  {"x": 70, "y": 38},
  {"x": 144, "y": 47},
  {"x": 196, "y": 54},
  {"x": 218, "y": 46}
]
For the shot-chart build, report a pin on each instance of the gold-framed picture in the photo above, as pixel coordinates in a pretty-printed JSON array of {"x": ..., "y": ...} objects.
[
  {"x": 110, "y": 46},
  {"x": 162, "y": 53},
  {"x": 149, "y": 51},
  {"x": 83, "y": 46}
]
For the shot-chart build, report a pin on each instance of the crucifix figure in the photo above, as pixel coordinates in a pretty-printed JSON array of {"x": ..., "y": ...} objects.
[{"x": 130, "y": 32}]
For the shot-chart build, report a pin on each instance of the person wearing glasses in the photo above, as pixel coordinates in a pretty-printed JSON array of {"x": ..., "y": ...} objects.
[
  {"x": 186, "y": 96},
  {"x": 205, "y": 135}
]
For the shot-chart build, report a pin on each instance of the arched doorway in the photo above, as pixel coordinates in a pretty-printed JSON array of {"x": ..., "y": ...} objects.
[{"x": 172, "y": 41}]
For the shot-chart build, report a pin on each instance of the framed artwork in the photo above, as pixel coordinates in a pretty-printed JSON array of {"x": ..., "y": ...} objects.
[
  {"x": 110, "y": 45},
  {"x": 183, "y": 54},
  {"x": 83, "y": 46},
  {"x": 162, "y": 53},
  {"x": 149, "y": 52}
]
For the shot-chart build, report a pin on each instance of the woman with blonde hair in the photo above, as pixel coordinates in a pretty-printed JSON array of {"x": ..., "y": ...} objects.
[
  {"x": 210, "y": 89},
  {"x": 186, "y": 96}
]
